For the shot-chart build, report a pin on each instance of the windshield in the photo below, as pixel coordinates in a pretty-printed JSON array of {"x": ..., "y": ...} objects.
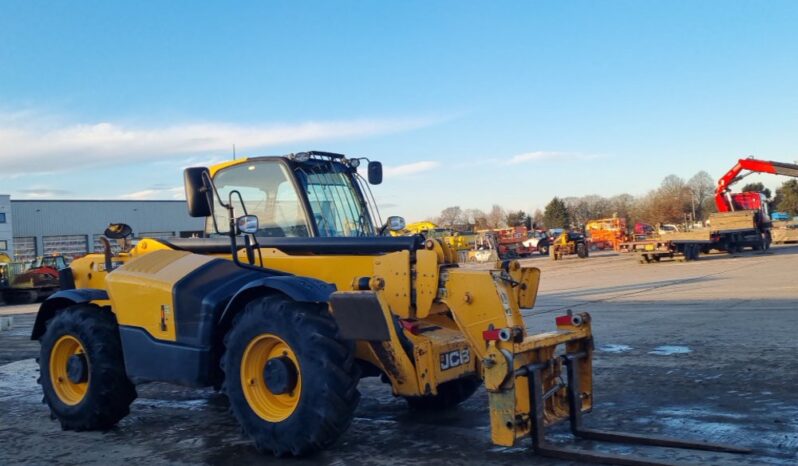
[
  {"x": 267, "y": 192},
  {"x": 336, "y": 203}
]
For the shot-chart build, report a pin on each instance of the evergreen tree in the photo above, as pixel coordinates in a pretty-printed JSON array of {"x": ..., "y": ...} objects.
[{"x": 556, "y": 214}]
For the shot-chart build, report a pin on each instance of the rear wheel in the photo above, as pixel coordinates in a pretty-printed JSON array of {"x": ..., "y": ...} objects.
[
  {"x": 82, "y": 369},
  {"x": 450, "y": 394},
  {"x": 291, "y": 382}
]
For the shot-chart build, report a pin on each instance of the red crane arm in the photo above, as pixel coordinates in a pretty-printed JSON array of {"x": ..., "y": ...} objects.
[{"x": 753, "y": 165}]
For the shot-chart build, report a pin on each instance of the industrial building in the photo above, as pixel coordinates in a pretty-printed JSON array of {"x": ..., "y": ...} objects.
[
  {"x": 6, "y": 235},
  {"x": 29, "y": 228}
]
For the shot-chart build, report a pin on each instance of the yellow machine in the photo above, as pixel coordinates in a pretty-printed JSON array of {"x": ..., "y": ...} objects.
[
  {"x": 568, "y": 243},
  {"x": 5, "y": 260},
  {"x": 300, "y": 294},
  {"x": 459, "y": 242}
]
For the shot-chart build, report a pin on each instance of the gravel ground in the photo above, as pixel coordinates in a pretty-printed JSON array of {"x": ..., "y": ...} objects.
[{"x": 702, "y": 350}]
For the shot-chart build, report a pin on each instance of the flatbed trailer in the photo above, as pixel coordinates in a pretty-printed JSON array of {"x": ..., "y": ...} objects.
[
  {"x": 785, "y": 232},
  {"x": 679, "y": 246}
]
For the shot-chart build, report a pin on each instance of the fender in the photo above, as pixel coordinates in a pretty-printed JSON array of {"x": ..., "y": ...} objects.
[
  {"x": 60, "y": 300},
  {"x": 301, "y": 289}
]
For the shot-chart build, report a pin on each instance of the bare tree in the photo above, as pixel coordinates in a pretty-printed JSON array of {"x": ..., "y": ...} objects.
[
  {"x": 496, "y": 216},
  {"x": 450, "y": 217},
  {"x": 537, "y": 219},
  {"x": 623, "y": 206},
  {"x": 477, "y": 218},
  {"x": 586, "y": 208},
  {"x": 702, "y": 187}
]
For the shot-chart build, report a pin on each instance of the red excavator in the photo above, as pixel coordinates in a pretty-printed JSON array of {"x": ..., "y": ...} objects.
[{"x": 28, "y": 282}]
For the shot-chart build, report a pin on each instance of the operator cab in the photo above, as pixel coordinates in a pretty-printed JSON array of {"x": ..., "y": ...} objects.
[
  {"x": 305, "y": 203},
  {"x": 310, "y": 194}
]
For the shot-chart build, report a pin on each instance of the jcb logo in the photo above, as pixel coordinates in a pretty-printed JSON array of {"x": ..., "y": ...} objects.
[{"x": 455, "y": 358}]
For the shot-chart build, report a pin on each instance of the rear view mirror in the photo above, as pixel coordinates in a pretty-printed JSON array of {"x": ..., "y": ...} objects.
[
  {"x": 198, "y": 196},
  {"x": 375, "y": 172},
  {"x": 247, "y": 224},
  {"x": 395, "y": 223}
]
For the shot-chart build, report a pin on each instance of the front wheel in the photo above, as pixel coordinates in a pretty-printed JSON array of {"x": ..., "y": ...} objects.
[
  {"x": 291, "y": 382},
  {"x": 544, "y": 249},
  {"x": 82, "y": 369}
]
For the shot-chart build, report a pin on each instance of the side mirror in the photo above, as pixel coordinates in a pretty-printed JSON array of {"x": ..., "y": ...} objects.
[
  {"x": 395, "y": 223},
  {"x": 247, "y": 224},
  {"x": 198, "y": 196},
  {"x": 375, "y": 173}
]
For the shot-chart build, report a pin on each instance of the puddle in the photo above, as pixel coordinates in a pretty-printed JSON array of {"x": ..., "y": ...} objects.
[
  {"x": 613, "y": 348},
  {"x": 667, "y": 350}
]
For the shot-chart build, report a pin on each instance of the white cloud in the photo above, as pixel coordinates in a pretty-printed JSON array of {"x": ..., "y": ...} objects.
[
  {"x": 410, "y": 168},
  {"x": 29, "y": 146},
  {"x": 543, "y": 155},
  {"x": 156, "y": 193},
  {"x": 41, "y": 192},
  {"x": 532, "y": 156}
]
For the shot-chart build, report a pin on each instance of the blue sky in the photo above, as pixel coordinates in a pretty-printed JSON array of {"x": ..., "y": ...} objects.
[{"x": 466, "y": 103}]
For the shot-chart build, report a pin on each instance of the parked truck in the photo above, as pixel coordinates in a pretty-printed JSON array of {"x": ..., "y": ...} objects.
[{"x": 742, "y": 220}]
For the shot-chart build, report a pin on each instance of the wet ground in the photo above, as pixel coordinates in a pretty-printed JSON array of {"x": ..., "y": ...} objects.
[{"x": 703, "y": 350}]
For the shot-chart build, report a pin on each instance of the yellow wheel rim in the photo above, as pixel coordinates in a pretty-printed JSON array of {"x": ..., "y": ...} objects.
[
  {"x": 270, "y": 406},
  {"x": 69, "y": 392}
]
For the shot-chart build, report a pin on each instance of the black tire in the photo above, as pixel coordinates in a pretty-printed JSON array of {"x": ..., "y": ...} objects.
[
  {"x": 327, "y": 373},
  {"x": 450, "y": 394},
  {"x": 109, "y": 392},
  {"x": 543, "y": 249},
  {"x": 581, "y": 250}
]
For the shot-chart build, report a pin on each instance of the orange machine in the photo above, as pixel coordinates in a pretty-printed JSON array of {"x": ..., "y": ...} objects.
[{"x": 606, "y": 233}]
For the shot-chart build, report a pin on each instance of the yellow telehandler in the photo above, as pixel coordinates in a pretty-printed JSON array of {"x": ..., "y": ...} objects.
[{"x": 297, "y": 294}]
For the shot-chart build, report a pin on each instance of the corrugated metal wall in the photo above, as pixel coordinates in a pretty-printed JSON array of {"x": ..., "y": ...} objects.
[
  {"x": 53, "y": 219},
  {"x": 6, "y": 237}
]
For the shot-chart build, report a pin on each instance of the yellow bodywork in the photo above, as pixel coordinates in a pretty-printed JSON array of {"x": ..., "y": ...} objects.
[{"x": 141, "y": 292}]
